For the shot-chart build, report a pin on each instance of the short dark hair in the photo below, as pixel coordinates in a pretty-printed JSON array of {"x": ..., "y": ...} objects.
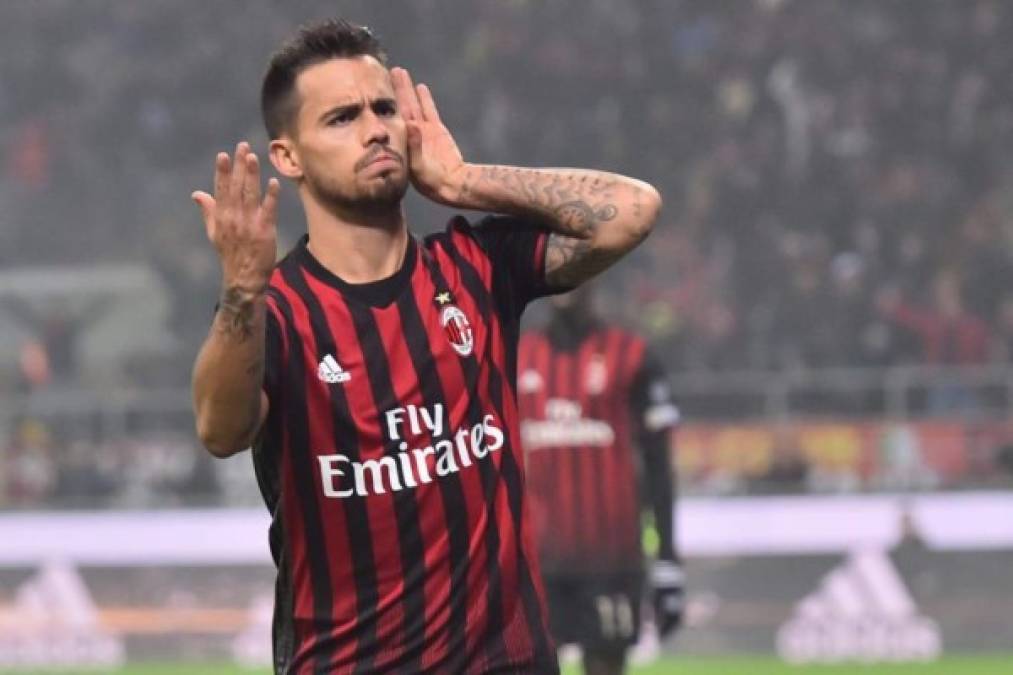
[{"x": 314, "y": 43}]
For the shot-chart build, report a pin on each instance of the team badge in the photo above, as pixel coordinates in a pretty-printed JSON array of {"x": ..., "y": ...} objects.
[
  {"x": 530, "y": 381},
  {"x": 596, "y": 375},
  {"x": 458, "y": 330}
]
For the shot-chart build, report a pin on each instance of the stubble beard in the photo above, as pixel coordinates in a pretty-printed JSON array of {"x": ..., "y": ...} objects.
[{"x": 381, "y": 196}]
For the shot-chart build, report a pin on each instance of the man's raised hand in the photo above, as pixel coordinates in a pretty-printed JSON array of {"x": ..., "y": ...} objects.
[
  {"x": 435, "y": 162},
  {"x": 241, "y": 226}
]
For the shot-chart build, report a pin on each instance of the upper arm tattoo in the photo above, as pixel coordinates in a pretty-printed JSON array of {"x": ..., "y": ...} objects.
[
  {"x": 574, "y": 202},
  {"x": 570, "y": 261}
]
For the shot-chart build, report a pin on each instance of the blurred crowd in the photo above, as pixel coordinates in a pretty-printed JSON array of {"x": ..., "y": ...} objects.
[
  {"x": 835, "y": 171},
  {"x": 836, "y": 182}
]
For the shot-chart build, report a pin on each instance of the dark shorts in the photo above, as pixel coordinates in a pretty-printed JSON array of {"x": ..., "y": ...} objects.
[{"x": 601, "y": 614}]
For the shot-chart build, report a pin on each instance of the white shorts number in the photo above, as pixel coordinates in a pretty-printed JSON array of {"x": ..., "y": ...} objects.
[{"x": 615, "y": 615}]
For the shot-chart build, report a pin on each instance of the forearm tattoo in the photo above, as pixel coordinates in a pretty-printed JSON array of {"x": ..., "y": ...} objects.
[
  {"x": 573, "y": 202},
  {"x": 237, "y": 312}
]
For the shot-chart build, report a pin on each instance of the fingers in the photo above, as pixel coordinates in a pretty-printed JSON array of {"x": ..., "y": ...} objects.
[
  {"x": 223, "y": 170},
  {"x": 238, "y": 172},
  {"x": 269, "y": 208},
  {"x": 428, "y": 105},
  {"x": 415, "y": 101},
  {"x": 205, "y": 201},
  {"x": 251, "y": 184},
  {"x": 414, "y": 138},
  {"x": 207, "y": 208},
  {"x": 404, "y": 92},
  {"x": 237, "y": 194}
]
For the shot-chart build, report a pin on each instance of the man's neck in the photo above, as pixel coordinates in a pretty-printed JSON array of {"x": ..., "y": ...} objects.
[
  {"x": 357, "y": 248},
  {"x": 567, "y": 330}
]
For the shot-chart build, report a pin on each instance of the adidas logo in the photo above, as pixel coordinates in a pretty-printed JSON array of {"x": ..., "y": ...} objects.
[
  {"x": 53, "y": 623},
  {"x": 330, "y": 371},
  {"x": 861, "y": 611}
]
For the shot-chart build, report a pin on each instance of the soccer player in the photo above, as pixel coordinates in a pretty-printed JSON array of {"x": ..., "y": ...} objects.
[
  {"x": 588, "y": 393},
  {"x": 373, "y": 371}
]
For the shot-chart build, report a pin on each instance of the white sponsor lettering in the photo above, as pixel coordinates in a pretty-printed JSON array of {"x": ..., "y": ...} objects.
[
  {"x": 329, "y": 471},
  {"x": 374, "y": 467},
  {"x": 410, "y": 467},
  {"x": 422, "y": 466},
  {"x": 419, "y": 420},
  {"x": 550, "y": 433},
  {"x": 562, "y": 410},
  {"x": 494, "y": 432},
  {"x": 565, "y": 426},
  {"x": 445, "y": 463}
]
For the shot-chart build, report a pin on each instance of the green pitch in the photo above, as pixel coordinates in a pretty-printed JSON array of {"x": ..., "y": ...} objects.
[{"x": 957, "y": 665}]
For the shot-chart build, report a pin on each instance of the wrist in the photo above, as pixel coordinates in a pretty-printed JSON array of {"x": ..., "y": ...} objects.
[
  {"x": 245, "y": 282},
  {"x": 237, "y": 293},
  {"x": 667, "y": 573},
  {"x": 458, "y": 187},
  {"x": 240, "y": 312}
]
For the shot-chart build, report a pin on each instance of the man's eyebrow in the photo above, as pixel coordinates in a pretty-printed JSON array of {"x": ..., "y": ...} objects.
[
  {"x": 352, "y": 106},
  {"x": 340, "y": 108}
]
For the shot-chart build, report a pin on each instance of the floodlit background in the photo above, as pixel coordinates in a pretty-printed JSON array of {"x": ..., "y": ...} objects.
[{"x": 831, "y": 286}]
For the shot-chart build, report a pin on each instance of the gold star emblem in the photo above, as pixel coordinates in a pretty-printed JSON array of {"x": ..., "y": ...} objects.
[{"x": 443, "y": 298}]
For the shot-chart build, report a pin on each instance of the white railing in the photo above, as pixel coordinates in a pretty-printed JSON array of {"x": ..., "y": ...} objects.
[
  {"x": 901, "y": 393},
  {"x": 898, "y": 393}
]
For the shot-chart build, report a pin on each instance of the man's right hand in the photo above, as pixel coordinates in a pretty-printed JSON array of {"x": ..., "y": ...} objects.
[{"x": 242, "y": 228}]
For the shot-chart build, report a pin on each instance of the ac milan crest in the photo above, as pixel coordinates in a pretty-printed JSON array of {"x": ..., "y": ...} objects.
[
  {"x": 596, "y": 377},
  {"x": 458, "y": 330}
]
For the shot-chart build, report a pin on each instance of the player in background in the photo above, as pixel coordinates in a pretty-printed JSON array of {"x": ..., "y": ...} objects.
[
  {"x": 591, "y": 395},
  {"x": 373, "y": 371}
]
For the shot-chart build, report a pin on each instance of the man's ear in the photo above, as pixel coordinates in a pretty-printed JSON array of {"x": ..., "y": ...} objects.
[{"x": 285, "y": 158}]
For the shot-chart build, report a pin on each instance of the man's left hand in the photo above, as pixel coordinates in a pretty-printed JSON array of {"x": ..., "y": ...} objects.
[
  {"x": 434, "y": 160},
  {"x": 668, "y": 586}
]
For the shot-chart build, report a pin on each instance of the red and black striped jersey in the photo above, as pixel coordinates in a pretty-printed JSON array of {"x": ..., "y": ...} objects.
[
  {"x": 584, "y": 407},
  {"x": 392, "y": 465}
]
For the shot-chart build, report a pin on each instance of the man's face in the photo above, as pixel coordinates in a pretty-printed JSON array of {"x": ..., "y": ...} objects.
[
  {"x": 349, "y": 135},
  {"x": 579, "y": 301}
]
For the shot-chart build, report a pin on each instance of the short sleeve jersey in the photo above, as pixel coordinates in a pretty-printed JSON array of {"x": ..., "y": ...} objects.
[
  {"x": 582, "y": 410},
  {"x": 391, "y": 460}
]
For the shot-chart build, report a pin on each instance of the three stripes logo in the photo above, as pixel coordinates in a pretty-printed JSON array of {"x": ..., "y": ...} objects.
[
  {"x": 862, "y": 611},
  {"x": 330, "y": 371},
  {"x": 54, "y": 623}
]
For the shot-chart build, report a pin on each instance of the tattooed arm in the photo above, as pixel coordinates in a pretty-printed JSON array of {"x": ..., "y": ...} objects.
[
  {"x": 596, "y": 217},
  {"x": 229, "y": 402}
]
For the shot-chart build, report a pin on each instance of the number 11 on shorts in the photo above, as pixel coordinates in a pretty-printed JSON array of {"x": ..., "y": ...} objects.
[{"x": 615, "y": 616}]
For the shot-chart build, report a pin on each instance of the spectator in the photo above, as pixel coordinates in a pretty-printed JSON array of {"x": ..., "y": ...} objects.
[{"x": 947, "y": 333}]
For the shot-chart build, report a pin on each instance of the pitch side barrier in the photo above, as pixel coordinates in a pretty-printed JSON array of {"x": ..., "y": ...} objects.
[
  {"x": 816, "y": 579},
  {"x": 705, "y": 527}
]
